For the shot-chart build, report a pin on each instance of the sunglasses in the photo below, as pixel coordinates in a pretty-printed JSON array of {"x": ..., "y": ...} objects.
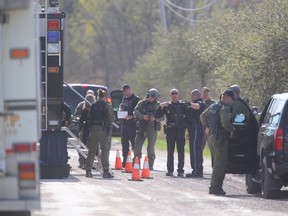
[{"x": 174, "y": 93}]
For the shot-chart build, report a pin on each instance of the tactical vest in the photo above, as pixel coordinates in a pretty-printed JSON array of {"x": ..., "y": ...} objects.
[
  {"x": 149, "y": 108},
  {"x": 214, "y": 118},
  {"x": 128, "y": 104},
  {"x": 175, "y": 114},
  {"x": 98, "y": 112}
]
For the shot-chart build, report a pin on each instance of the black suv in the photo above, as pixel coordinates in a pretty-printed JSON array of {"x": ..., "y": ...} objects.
[
  {"x": 73, "y": 99},
  {"x": 272, "y": 149}
]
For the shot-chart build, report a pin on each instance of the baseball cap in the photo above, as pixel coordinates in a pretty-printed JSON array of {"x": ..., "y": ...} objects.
[
  {"x": 228, "y": 92},
  {"x": 90, "y": 92},
  {"x": 124, "y": 87},
  {"x": 205, "y": 89}
]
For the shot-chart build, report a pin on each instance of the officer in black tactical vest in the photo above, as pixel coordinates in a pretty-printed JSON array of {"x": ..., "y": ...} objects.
[
  {"x": 217, "y": 123},
  {"x": 174, "y": 129},
  {"x": 195, "y": 129},
  {"x": 128, "y": 127},
  {"x": 101, "y": 117}
]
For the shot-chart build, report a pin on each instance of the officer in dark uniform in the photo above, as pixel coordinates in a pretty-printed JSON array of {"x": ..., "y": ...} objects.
[
  {"x": 217, "y": 123},
  {"x": 195, "y": 129},
  {"x": 175, "y": 131},
  {"x": 128, "y": 128},
  {"x": 101, "y": 117}
]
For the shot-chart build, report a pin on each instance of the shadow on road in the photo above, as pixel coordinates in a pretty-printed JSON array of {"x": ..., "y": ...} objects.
[{"x": 71, "y": 178}]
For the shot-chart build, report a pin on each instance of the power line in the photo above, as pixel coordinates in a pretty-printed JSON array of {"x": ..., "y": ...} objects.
[
  {"x": 190, "y": 9},
  {"x": 188, "y": 19}
]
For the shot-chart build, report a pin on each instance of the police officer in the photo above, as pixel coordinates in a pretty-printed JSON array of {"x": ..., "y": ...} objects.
[
  {"x": 128, "y": 128},
  {"x": 237, "y": 106},
  {"x": 208, "y": 101},
  {"x": 148, "y": 124},
  {"x": 175, "y": 131},
  {"x": 83, "y": 120},
  {"x": 195, "y": 129},
  {"x": 217, "y": 123},
  {"x": 79, "y": 108},
  {"x": 82, "y": 133},
  {"x": 206, "y": 98},
  {"x": 101, "y": 117}
]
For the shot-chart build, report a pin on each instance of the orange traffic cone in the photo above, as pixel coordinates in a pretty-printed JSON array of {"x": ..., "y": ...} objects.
[
  {"x": 118, "y": 162},
  {"x": 146, "y": 170},
  {"x": 136, "y": 171},
  {"x": 128, "y": 165}
]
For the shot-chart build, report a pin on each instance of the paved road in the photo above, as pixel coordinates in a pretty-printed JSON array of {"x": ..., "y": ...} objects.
[{"x": 78, "y": 195}]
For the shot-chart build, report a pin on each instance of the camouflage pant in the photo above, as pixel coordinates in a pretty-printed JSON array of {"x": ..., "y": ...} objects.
[
  {"x": 98, "y": 136},
  {"x": 141, "y": 135},
  {"x": 219, "y": 148}
]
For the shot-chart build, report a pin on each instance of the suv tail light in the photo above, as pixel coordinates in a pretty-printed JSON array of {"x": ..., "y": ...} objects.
[{"x": 279, "y": 137}]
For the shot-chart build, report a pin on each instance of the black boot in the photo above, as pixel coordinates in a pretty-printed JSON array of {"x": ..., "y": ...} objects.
[
  {"x": 89, "y": 174},
  {"x": 107, "y": 174}
]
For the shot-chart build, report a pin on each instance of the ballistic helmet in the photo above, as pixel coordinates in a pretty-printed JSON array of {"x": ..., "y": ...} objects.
[
  {"x": 235, "y": 88},
  {"x": 153, "y": 93}
]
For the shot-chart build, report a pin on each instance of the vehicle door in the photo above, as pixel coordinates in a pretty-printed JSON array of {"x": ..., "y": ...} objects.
[
  {"x": 116, "y": 97},
  {"x": 264, "y": 123},
  {"x": 242, "y": 147}
]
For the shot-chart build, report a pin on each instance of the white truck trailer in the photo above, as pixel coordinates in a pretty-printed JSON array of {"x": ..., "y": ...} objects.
[{"x": 20, "y": 116}]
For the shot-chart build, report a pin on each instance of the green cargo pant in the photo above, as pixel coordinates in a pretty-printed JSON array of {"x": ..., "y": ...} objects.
[
  {"x": 218, "y": 145},
  {"x": 98, "y": 136},
  {"x": 141, "y": 134}
]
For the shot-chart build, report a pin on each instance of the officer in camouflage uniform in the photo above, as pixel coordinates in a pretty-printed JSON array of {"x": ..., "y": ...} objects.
[
  {"x": 101, "y": 117},
  {"x": 148, "y": 124},
  {"x": 208, "y": 101},
  {"x": 174, "y": 111},
  {"x": 82, "y": 135},
  {"x": 217, "y": 123},
  {"x": 128, "y": 124}
]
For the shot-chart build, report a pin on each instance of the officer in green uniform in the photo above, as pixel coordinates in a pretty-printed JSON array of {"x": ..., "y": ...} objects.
[
  {"x": 101, "y": 117},
  {"x": 217, "y": 123},
  {"x": 237, "y": 106},
  {"x": 148, "y": 124}
]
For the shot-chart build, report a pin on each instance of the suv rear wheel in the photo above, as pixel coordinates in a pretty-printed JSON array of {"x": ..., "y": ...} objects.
[
  {"x": 251, "y": 186},
  {"x": 269, "y": 184}
]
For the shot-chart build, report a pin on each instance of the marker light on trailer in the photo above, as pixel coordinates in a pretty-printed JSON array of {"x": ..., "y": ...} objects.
[
  {"x": 53, "y": 25},
  {"x": 53, "y": 36},
  {"x": 53, "y": 48},
  {"x": 19, "y": 53}
]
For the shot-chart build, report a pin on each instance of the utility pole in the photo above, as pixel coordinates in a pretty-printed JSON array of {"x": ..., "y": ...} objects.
[
  {"x": 191, "y": 15},
  {"x": 163, "y": 15}
]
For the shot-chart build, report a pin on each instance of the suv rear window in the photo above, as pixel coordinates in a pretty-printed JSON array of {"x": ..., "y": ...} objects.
[
  {"x": 73, "y": 99},
  {"x": 274, "y": 112}
]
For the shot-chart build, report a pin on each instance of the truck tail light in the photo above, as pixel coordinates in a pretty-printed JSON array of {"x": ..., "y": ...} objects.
[
  {"x": 26, "y": 171},
  {"x": 24, "y": 147},
  {"x": 279, "y": 137}
]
